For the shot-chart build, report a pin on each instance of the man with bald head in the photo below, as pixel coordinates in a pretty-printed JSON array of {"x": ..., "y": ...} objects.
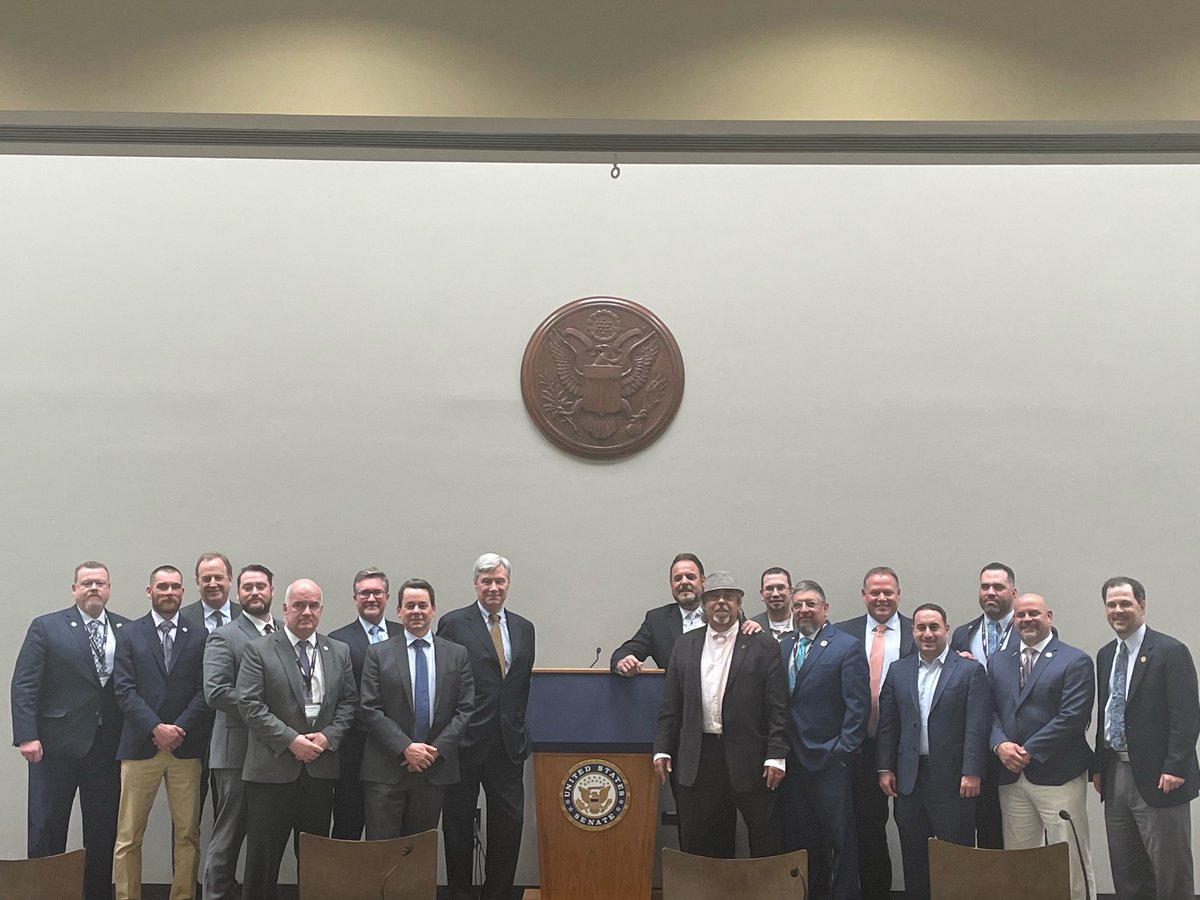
[
  {"x": 296, "y": 693},
  {"x": 1043, "y": 691}
]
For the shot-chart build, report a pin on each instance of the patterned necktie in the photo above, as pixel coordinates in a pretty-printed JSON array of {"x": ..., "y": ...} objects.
[
  {"x": 420, "y": 692},
  {"x": 96, "y": 641},
  {"x": 305, "y": 670},
  {"x": 376, "y": 634},
  {"x": 168, "y": 642},
  {"x": 497, "y": 640},
  {"x": 216, "y": 620},
  {"x": 797, "y": 661},
  {"x": 1116, "y": 701},
  {"x": 1027, "y": 661},
  {"x": 993, "y": 638},
  {"x": 876, "y": 661}
]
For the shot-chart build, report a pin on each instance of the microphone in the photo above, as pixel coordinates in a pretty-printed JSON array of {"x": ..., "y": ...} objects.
[
  {"x": 795, "y": 873},
  {"x": 1087, "y": 892},
  {"x": 597, "y": 659},
  {"x": 404, "y": 851}
]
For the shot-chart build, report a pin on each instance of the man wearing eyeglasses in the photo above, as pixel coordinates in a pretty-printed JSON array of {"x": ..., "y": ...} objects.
[
  {"x": 370, "y": 595},
  {"x": 775, "y": 588}
]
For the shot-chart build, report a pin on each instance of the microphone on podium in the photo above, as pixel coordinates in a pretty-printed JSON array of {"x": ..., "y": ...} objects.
[
  {"x": 1087, "y": 891},
  {"x": 597, "y": 659},
  {"x": 796, "y": 873},
  {"x": 404, "y": 851}
]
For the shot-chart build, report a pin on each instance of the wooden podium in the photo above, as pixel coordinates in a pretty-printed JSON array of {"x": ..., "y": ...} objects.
[{"x": 595, "y": 787}]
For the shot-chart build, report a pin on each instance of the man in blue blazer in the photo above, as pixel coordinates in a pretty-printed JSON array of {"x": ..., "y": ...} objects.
[
  {"x": 66, "y": 723},
  {"x": 371, "y": 591},
  {"x": 500, "y": 645},
  {"x": 886, "y": 636},
  {"x": 986, "y": 635},
  {"x": 1146, "y": 730},
  {"x": 656, "y": 636},
  {"x": 159, "y": 680},
  {"x": 935, "y": 715},
  {"x": 829, "y": 701},
  {"x": 1044, "y": 691}
]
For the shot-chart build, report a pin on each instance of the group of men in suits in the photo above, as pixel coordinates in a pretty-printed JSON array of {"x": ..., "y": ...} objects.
[
  {"x": 979, "y": 736},
  {"x": 221, "y": 693}
]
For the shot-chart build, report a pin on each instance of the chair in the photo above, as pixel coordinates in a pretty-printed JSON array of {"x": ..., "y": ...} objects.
[
  {"x": 368, "y": 870},
  {"x": 688, "y": 877},
  {"x": 46, "y": 878},
  {"x": 965, "y": 873}
]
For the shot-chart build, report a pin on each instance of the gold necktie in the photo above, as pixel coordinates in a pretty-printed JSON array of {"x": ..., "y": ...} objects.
[{"x": 497, "y": 640}]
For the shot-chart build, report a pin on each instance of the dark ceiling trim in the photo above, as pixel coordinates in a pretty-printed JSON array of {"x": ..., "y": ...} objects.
[{"x": 638, "y": 143}]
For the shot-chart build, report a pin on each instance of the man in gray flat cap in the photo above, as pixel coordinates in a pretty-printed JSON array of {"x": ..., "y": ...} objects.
[{"x": 721, "y": 727}]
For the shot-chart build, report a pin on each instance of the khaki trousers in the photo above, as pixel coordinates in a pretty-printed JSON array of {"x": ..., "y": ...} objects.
[{"x": 140, "y": 779}]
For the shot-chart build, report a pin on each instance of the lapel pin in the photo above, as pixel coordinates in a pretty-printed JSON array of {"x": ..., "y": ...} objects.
[
  {"x": 1049, "y": 654},
  {"x": 1142, "y": 659},
  {"x": 325, "y": 648},
  {"x": 824, "y": 643},
  {"x": 119, "y": 624},
  {"x": 73, "y": 624},
  {"x": 183, "y": 628}
]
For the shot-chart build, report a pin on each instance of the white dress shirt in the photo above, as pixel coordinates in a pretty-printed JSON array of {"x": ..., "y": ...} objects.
[
  {"x": 503, "y": 631},
  {"x": 978, "y": 646},
  {"x": 314, "y": 659},
  {"x": 430, "y": 663},
  {"x": 928, "y": 675},
  {"x": 226, "y": 611},
  {"x": 891, "y": 642}
]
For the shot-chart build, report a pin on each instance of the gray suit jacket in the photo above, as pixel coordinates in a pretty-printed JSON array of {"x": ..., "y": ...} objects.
[
  {"x": 222, "y": 657},
  {"x": 270, "y": 699},
  {"x": 387, "y": 710}
]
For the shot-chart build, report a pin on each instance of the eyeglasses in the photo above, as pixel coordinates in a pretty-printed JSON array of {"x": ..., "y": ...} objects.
[{"x": 366, "y": 595}]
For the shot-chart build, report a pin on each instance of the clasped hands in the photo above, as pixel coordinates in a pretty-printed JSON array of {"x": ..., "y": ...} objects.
[
  {"x": 167, "y": 737},
  {"x": 419, "y": 757},
  {"x": 307, "y": 747}
]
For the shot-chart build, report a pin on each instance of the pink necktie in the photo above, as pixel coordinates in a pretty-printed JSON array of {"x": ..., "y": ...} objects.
[{"x": 876, "y": 661}]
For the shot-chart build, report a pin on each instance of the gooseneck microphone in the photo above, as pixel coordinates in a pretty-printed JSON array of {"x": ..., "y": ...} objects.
[
  {"x": 1087, "y": 891},
  {"x": 404, "y": 851},
  {"x": 597, "y": 659},
  {"x": 796, "y": 873}
]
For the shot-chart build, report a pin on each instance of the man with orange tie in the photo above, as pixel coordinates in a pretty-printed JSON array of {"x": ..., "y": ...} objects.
[
  {"x": 886, "y": 636},
  {"x": 495, "y": 745}
]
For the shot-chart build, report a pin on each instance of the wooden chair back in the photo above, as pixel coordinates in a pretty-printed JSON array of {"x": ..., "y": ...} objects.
[
  {"x": 688, "y": 877},
  {"x": 967, "y": 873},
  {"x": 46, "y": 878},
  {"x": 396, "y": 869}
]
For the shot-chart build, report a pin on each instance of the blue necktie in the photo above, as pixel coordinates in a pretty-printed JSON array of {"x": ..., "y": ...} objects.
[
  {"x": 1116, "y": 702},
  {"x": 797, "y": 661},
  {"x": 420, "y": 692},
  {"x": 376, "y": 634},
  {"x": 993, "y": 638}
]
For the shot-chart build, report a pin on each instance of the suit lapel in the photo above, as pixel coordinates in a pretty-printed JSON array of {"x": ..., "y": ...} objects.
[
  {"x": 287, "y": 658},
  {"x": 80, "y": 633},
  {"x": 1044, "y": 660},
  {"x": 329, "y": 674},
  {"x": 400, "y": 648},
  {"x": 1145, "y": 652},
  {"x": 479, "y": 630},
  {"x": 815, "y": 648},
  {"x": 953, "y": 661},
  {"x": 184, "y": 635}
]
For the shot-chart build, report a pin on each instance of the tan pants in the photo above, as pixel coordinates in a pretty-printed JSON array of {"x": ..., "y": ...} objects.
[{"x": 140, "y": 779}]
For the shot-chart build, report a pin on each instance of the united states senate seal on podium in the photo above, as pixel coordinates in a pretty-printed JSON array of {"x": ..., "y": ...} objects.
[
  {"x": 602, "y": 377},
  {"x": 594, "y": 795}
]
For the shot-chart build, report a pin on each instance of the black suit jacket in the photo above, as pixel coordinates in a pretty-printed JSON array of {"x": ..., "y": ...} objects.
[
  {"x": 195, "y": 612},
  {"x": 1162, "y": 717},
  {"x": 655, "y": 637},
  {"x": 964, "y": 634},
  {"x": 355, "y": 638},
  {"x": 499, "y": 701},
  {"x": 56, "y": 695},
  {"x": 753, "y": 710},
  {"x": 857, "y": 627},
  {"x": 150, "y": 695}
]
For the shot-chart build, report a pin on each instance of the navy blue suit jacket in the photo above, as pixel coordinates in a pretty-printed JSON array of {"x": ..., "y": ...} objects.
[
  {"x": 500, "y": 701},
  {"x": 1049, "y": 716},
  {"x": 56, "y": 694},
  {"x": 830, "y": 703},
  {"x": 960, "y": 721},
  {"x": 1162, "y": 717},
  {"x": 355, "y": 638},
  {"x": 149, "y": 695},
  {"x": 655, "y": 637}
]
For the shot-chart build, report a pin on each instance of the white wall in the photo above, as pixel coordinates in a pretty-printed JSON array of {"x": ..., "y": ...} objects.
[{"x": 314, "y": 365}]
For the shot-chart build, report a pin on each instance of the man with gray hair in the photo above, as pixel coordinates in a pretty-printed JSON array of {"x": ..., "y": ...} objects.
[{"x": 500, "y": 645}]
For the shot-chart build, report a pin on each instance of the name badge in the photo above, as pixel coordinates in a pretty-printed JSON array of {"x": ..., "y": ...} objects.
[{"x": 311, "y": 711}]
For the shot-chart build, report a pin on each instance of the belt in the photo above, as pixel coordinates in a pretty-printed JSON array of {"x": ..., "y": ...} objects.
[{"x": 1122, "y": 755}]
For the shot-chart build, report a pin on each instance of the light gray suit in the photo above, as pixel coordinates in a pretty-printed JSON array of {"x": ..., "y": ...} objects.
[
  {"x": 284, "y": 795},
  {"x": 227, "y": 753}
]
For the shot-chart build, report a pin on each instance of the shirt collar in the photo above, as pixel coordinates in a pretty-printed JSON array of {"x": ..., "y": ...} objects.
[
  {"x": 1004, "y": 621},
  {"x": 892, "y": 624},
  {"x": 87, "y": 620},
  {"x": 225, "y": 609},
  {"x": 367, "y": 626},
  {"x": 158, "y": 620},
  {"x": 1040, "y": 647},
  {"x": 684, "y": 614},
  {"x": 312, "y": 638},
  {"x": 940, "y": 659},
  {"x": 485, "y": 612},
  {"x": 260, "y": 624},
  {"x": 731, "y": 631},
  {"x": 409, "y": 637},
  {"x": 1134, "y": 641}
]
